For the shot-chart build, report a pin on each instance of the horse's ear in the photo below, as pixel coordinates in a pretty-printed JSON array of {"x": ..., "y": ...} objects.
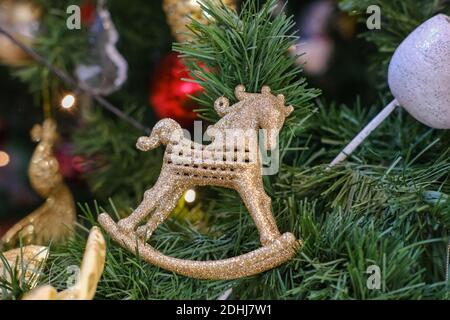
[
  {"x": 288, "y": 110},
  {"x": 266, "y": 90},
  {"x": 239, "y": 92},
  {"x": 222, "y": 106}
]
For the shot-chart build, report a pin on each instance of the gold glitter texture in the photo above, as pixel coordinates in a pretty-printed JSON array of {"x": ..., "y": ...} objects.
[
  {"x": 27, "y": 260},
  {"x": 180, "y": 12},
  {"x": 233, "y": 161},
  {"x": 90, "y": 273},
  {"x": 55, "y": 219},
  {"x": 419, "y": 73}
]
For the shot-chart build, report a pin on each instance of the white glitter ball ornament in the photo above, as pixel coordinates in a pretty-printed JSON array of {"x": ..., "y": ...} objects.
[
  {"x": 419, "y": 73},
  {"x": 419, "y": 78}
]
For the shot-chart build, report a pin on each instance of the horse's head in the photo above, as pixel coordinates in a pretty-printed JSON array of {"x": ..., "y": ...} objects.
[
  {"x": 273, "y": 112},
  {"x": 257, "y": 110},
  {"x": 270, "y": 110}
]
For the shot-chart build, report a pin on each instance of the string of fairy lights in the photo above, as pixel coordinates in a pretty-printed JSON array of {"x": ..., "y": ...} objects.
[{"x": 69, "y": 101}]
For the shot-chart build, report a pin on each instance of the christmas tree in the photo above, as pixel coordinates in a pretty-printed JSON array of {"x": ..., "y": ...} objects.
[{"x": 372, "y": 227}]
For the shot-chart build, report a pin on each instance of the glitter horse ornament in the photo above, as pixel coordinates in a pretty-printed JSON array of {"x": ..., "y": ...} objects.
[{"x": 232, "y": 160}]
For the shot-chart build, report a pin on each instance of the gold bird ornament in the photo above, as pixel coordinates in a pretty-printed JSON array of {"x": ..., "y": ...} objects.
[
  {"x": 90, "y": 273},
  {"x": 54, "y": 221},
  {"x": 233, "y": 161}
]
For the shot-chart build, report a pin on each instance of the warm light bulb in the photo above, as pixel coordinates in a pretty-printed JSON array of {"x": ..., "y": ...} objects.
[
  {"x": 68, "y": 101},
  {"x": 190, "y": 196},
  {"x": 4, "y": 159}
]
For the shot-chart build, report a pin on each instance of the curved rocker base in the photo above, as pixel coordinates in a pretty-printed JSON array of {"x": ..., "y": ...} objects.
[{"x": 254, "y": 262}]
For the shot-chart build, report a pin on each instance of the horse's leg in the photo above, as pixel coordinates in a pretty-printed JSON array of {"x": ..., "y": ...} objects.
[
  {"x": 163, "y": 186},
  {"x": 266, "y": 206},
  {"x": 161, "y": 213},
  {"x": 258, "y": 209}
]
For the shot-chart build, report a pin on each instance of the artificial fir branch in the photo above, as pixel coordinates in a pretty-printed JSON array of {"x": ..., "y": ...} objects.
[
  {"x": 61, "y": 47},
  {"x": 71, "y": 82},
  {"x": 388, "y": 207},
  {"x": 399, "y": 18},
  {"x": 113, "y": 154},
  {"x": 249, "y": 48}
]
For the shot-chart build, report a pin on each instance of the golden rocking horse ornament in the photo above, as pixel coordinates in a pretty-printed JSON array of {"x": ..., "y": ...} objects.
[{"x": 187, "y": 164}]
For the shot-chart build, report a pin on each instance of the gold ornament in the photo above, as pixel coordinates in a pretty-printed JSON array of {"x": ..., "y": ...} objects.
[
  {"x": 232, "y": 160},
  {"x": 180, "y": 12},
  {"x": 90, "y": 273},
  {"x": 55, "y": 219},
  {"x": 28, "y": 260},
  {"x": 21, "y": 18}
]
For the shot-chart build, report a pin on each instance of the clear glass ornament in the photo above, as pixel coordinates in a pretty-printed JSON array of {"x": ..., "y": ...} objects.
[{"x": 105, "y": 69}]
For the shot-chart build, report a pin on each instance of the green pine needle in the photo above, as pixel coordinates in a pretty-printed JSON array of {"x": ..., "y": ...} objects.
[{"x": 387, "y": 206}]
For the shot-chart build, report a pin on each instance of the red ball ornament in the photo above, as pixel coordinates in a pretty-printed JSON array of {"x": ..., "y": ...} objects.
[
  {"x": 170, "y": 95},
  {"x": 88, "y": 12},
  {"x": 64, "y": 154}
]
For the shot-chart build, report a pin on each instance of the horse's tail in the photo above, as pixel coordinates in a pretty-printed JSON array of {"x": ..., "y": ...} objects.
[{"x": 164, "y": 132}]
